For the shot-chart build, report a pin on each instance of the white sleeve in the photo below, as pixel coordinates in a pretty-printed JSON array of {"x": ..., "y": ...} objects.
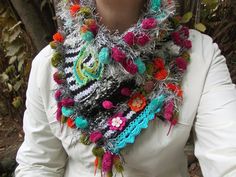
[
  {"x": 41, "y": 153},
  {"x": 215, "y": 124}
]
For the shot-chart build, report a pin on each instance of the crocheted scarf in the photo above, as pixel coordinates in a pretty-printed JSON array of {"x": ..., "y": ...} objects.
[{"x": 111, "y": 85}]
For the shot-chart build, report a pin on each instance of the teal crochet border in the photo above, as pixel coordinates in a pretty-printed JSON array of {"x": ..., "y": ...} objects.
[{"x": 136, "y": 126}]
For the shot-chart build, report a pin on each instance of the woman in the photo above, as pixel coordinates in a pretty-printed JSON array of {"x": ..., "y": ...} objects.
[{"x": 118, "y": 85}]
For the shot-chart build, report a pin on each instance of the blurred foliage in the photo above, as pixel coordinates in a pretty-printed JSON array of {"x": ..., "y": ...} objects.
[{"x": 14, "y": 63}]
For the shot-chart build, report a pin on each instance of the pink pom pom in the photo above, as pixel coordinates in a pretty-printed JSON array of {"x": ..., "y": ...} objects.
[
  {"x": 95, "y": 136},
  {"x": 149, "y": 23},
  {"x": 130, "y": 67},
  {"x": 107, "y": 162},
  {"x": 126, "y": 91},
  {"x": 58, "y": 94},
  {"x": 187, "y": 44},
  {"x": 58, "y": 78},
  {"x": 181, "y": 63},
  {"x": 176, "y": 38},
  {"x": 117, "y": 54},
  {"x": 67, "y": 102},
  {"x": 129, "y": 38},
  {"x": 94, "y": 29},
  {"x": 58, "y": 114},
  {"x": 107, "y": 104},
  {"x": 143, "y": 39},
  {"x": 185, "y": 31},
  {"x": 168, "y": 110}
]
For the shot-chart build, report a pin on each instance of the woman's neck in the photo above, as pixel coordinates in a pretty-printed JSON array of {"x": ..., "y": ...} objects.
[{"x": 119, "y": 14}]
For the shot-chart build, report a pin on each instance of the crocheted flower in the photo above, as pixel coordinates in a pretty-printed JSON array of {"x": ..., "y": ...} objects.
[
  {"x": 74, "y": 9},
  {"x": 137, "y": 102},
  {"x": 117, "y": 122},
  {"x": 143, "y": 39},
  {"x": 58, "y": 37},
  {"x": 117, "y": 54},
  {"x": 129, "y": 38},
  {"x": 149, "y": 23}
]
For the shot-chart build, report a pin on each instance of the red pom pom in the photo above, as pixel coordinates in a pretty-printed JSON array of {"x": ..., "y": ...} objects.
[
  {"x": 70, "y": 123},
  {"x": 74, "y": 9},
  {"x": 187, "y": 44},
  {"x": 143, "y": 39},
  {"x": 58, "y": 94},
  {"x": 117, "y": 54},
  {"x": 159, "y": 63},
  {"x": 67, "y": 102},
  {"x": 58, "y": 78},
  {"x": 149, "y": 23},
  {"x": 58, "y": 37},
  {"x": 129, "y": 38}
]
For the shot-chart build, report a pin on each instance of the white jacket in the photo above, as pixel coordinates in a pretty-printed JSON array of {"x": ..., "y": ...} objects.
[{"x": 209, "y": 107}]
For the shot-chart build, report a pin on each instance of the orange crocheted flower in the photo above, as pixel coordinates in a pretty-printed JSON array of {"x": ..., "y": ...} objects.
[
  {"x": 58, "y": 37},
  {"x": 161, "y": 75},
  {"x": 137, "y": 102},
  {"x": 175, "y": 88},
  {"x": 74, "y": 9}
]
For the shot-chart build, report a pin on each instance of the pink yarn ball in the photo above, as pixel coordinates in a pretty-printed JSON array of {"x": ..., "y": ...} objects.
[
  {"x": 129, "y": 38},
  {"x": 67, "y": 102},
  {"x": 58, "y": 94},
  {"x": 126, "y": 91},
  {"x": 143, "y": 39},
  {"x": 181, "y": 63},
  {"x": 107, "y": 162},
  {"x": 149, "y": 23},
  {"x": 130, "y": 67},
  {"x": 187, "y": 44},
  {"x": 107, "y": 104},
  {"x": 117, "y": 54},
  {"x": 95, "y": 136}
]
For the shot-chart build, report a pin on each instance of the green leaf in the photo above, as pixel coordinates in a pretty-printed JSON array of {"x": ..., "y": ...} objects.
[
  {"x": 13, "y": 48},
  {"x": 17, "y": 85},
  {"x": 187, "y": 17},
  {"x": 12, "y": 60},
  {"x": 4, "y": 77},
  {"x": 17, "y": 102},
  {"x": 20, "y": 64},
  {"x": 200, "y": 27}
]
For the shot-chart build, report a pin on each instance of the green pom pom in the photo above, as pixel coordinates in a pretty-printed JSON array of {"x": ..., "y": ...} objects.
[
  {"x": 118, "y": 165},
  {"x": 80, "y": 122},
  {"x": 84, "y": 139},
  {"x": 56, "y": 59},
  {"x": 141, "y": 66},
  {"x": 98, "y": 151},
  {"x": 88, "y": 36},
  {"x": 67, "y": 112},
  {"x": 53, "y": 45},
  {"x": 104, "y": 56}
]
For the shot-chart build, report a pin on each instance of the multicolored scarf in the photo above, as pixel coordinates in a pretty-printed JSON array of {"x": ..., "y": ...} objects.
[{"x": 111, "y": 85}]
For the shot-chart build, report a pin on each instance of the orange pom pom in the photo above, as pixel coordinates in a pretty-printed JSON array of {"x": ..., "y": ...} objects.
[
  {"x": 70, "y": 123},
  {"x": 58, "y": 37},
  {"x": 74, "y": 9},
  {"x": 161, "y": 75},
  {"x": 84, "y": 29},
  {"x": 175, "y": 88}
]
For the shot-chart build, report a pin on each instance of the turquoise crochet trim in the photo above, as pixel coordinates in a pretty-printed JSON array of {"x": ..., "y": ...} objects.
[{"x": 134, "y": 129}]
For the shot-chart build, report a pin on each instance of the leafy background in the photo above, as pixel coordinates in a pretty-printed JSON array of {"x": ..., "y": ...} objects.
[{"x": 27, "y": 26}]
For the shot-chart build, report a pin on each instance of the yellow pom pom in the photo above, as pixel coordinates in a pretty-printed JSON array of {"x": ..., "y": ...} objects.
[
  {"x": 85, "y": 10},
  {"x": 98, "y": 151}
]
